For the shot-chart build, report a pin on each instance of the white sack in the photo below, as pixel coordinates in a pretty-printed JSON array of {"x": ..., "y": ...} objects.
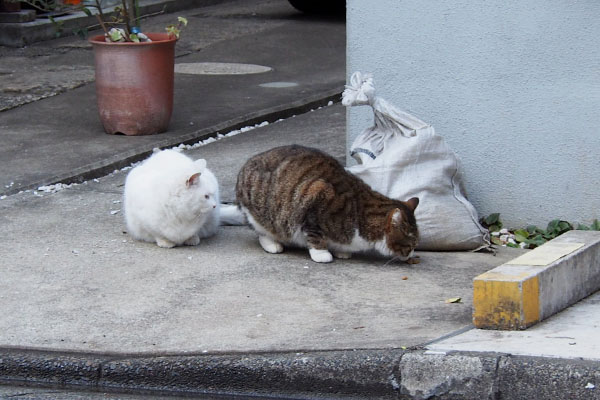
[{"x": 402, "y": 157}]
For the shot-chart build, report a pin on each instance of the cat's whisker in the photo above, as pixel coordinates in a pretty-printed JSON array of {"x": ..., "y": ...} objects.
[{"x": 391, "y": 260}]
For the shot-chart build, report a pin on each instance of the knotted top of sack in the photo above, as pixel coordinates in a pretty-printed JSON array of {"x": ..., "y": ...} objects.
[{"x": 388, "y": 119}]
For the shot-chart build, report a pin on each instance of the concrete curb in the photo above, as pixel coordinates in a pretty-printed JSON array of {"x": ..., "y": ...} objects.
[
  {"x": 464, "y": 375},
  {"x": 392, "y": 373},
  {"x": 333, "y": 373},
  {"x": 124, "y": 159}
]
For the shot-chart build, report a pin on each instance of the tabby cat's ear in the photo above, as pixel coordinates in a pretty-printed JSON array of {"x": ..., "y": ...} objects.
[
  {"x": 412, "y": 203},
  {"x": 192, "y": 180}
]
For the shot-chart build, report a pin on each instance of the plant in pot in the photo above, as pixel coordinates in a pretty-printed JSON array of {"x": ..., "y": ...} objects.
[{"x": 134, "y": 71}]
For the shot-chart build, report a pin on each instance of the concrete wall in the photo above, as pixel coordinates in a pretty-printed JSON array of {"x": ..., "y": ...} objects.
[{"x": 513, "y": 86}]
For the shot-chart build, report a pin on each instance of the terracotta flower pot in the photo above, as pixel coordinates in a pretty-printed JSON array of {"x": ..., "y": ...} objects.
[{"x": 134, "y": 84}]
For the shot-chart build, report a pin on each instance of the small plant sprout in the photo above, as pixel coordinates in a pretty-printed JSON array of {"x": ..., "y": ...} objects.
[{"x": 175, "y": 30}]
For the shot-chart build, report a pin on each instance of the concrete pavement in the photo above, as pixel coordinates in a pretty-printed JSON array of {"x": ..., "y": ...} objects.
[
  {"x": 85, "y": 306},
  {"x": 224, "y": 295},
  {"x": 84, "y": 303}
]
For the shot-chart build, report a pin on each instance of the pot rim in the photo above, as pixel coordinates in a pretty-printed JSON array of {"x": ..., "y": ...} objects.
[{"x": 156, "y": 38}]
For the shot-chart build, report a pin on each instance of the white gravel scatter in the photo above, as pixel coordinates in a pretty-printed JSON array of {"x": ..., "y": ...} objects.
[
  {"x": 56, "y": 187},
  {"x": 219, "y": 137}
]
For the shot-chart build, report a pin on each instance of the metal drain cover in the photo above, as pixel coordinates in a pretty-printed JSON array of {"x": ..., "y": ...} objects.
[{"x": 217, "y": 68}]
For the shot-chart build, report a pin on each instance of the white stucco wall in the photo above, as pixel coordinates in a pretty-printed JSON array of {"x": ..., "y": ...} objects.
[{"x": 512, "y": 85}]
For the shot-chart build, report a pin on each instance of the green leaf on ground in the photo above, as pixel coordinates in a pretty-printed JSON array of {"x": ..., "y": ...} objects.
[
  {"x": 494, "y": 228},
  {"x": 521, "y": 235},
  {"x": 520, "y": 238},
  {"x": 496, "y": 241},
  {"x": 535, "y": 241},
  {"x": 492, "y": 219}
]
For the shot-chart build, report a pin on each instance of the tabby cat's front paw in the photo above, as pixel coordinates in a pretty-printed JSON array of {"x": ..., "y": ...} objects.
[
  {"x": 269, "y": 245},
  {"x": 320, "y": 256}
]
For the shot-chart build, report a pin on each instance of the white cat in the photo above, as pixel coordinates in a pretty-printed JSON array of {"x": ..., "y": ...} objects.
[{"x": 172, "y": 200}]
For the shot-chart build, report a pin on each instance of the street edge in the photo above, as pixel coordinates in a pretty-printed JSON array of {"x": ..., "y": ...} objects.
[{"x": 367, "y": 373}]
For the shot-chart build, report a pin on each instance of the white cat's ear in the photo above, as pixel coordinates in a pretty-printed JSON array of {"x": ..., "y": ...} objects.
[
  {"x": 192, "y": 180},
  {"x": 200, "y": 164}
]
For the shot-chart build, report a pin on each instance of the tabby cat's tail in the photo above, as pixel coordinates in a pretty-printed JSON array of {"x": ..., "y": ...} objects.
[{"x": 231, "y": 215}]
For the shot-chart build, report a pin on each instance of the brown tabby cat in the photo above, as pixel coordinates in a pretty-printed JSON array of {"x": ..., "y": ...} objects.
[{"x": 296, "y": 195}]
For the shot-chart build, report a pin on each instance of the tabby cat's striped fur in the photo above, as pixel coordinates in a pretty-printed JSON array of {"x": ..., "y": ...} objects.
[{"x": 295, "y": 195}]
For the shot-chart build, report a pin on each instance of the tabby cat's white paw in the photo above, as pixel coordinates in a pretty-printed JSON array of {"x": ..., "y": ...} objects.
[
  {"x": 193, "y": 241},
  {"x": 164, "y": 243},
  {"x": 320, "y": 256},
  {"x": 269, "y": 245}
]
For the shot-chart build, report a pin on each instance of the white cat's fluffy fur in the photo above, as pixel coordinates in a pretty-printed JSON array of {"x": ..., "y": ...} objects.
[{"x": 171, "y": 200}]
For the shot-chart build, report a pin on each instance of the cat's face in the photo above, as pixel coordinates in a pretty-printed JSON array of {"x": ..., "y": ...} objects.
[
  {"x": 206, "y": 200},
  {"x": 203, "y": 192},
  {"x": 402, "y": 234}
]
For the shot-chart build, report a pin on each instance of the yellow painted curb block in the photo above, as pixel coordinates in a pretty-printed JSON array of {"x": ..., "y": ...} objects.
[
  {"x": 505, "y": 301},
  {"x": 523, "y": 291}
]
